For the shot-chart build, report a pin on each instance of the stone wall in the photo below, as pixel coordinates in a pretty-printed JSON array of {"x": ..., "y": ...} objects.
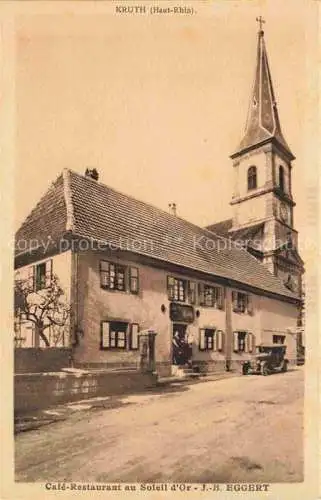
[
  {"x": 35, "y": 391},
  {"x": 37, "y": 360}
]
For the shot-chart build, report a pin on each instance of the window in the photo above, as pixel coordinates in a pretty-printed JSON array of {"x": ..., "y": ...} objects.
[
  {"x": 207, "y": 339},
  {"x": 251, "y": 178},
  {"x": 211, "y": 296},
  {"x": 210, "y": 339},
  {"x": 113, "y": 335},
  {"x": 176, "y": 289},
  {"x": 114, "y": 276},
  {"x": 243, "y": 341},
  {"x": 40, "y": 275},
  {"x": 281, "y": 178},
  {"x": 278, "y": 339},
  {"x": 242, "y": 303}
]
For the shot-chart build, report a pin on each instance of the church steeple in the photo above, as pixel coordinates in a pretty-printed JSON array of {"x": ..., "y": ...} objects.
[{"x": 263, "y": 124}]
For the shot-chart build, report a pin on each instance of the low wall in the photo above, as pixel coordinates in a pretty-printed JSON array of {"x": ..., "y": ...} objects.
[
  {"x": 36, "y": 360},
  {"x": 35, "y": 391}
]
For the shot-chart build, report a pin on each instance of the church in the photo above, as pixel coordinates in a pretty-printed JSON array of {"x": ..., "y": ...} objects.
[{"x": 211, "y": 295}]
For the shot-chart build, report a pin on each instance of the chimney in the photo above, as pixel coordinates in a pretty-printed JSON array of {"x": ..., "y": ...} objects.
[
  {"x": 92, "y": 173},
  {"x": 172, "y": 208}
]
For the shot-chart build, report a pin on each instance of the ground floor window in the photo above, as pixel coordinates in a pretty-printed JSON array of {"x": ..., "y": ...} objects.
[
  {"x": 243, "y": 341},
  {"x": 119, "y": 335},
  {"x": 211, "y": 339},
  {"x": 113, "y": 335}
]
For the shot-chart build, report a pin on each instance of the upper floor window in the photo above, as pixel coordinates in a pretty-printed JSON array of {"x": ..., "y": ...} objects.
[
  {"x": 281, "y": 178},
  {"x": 40, "y": 275},
  {"x": 242, "y": 303},
  {"x": 211, "y": 296},
  {"x": 176, "y": 289},
  {"x": 252, "y": 178},
  {"x": 118, "y": 277}
]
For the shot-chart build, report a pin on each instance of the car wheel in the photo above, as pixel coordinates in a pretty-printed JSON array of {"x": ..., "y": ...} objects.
[
  {"x": 264, "y": 370},
  {"x": 284, "y": 366},
  {"x": 245, "y": 369}
]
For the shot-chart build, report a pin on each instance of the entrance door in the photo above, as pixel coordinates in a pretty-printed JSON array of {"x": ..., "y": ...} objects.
[{"x": 180, "y": 347}]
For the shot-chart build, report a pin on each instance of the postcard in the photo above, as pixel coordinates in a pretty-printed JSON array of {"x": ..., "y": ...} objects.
[{"x": 160, "y": 193}]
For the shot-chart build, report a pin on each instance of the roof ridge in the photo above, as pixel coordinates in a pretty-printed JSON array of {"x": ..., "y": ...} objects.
[{"x": 70, "y": 219}]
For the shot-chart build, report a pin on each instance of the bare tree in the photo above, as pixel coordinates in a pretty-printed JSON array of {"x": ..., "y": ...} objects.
[{"x": 44, "y": 308}]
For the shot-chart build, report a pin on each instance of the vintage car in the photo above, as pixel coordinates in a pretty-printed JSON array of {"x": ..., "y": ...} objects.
[{"x": 268, "y": 358}]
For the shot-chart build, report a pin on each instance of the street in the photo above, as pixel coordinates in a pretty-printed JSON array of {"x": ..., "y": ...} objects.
[{"x": 239, "y": 429}]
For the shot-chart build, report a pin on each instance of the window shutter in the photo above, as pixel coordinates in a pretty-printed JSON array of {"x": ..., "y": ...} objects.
[
  {"x": 105, "y": 334},
  {"x": 170, "y": 287},
  {"x": 133, "y": 344},
  {"x": 215, "y": 340},
  {"x": 133, "y": 280},
  {"x": 220, "y": 298},
  {"x": 250, "y": 342},
  {"x": 48, "y": 272},
  {"x": 202, "y": 340},
  {"x": 31, "y": 277},
  {"x": 253, "y": 342},
  {"x": 246, "y": 343},
  {"x": 234, "y": 301},
  {"x": 192, "y": 292},
  {"x": 201, "y": 294},
  {"x": 249, "y": 305},
  {"x": 236, "y": 341},
  {"x": 219, "y": 335}
]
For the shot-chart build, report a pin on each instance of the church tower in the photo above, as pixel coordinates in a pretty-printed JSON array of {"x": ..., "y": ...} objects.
[{"x": 262, "y": 200}]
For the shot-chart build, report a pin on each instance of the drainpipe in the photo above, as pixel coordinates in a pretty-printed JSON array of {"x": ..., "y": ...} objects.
[{"x": 228, "y": 327}]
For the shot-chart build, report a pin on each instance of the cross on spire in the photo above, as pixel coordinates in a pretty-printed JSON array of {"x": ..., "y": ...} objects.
[{"x": 261, "y": 21}]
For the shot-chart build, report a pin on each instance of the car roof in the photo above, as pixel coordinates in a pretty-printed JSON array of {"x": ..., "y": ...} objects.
[{"x": 272, "y": 345}]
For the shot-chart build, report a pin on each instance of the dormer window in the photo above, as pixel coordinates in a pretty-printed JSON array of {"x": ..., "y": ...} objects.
[
  {"x": 281, "y": 178},
  {"x": 251, "y": 178}
]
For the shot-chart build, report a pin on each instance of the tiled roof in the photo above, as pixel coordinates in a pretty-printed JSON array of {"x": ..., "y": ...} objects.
[
  {"x": 102, "y": 214},
  {"x": 221, "y": 228},
  {"x": 245, "y": 234},
  {"x": 47, "y": 220}
]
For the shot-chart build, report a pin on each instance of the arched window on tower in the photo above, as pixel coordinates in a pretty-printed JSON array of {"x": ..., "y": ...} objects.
[
  {"x": 251, "y": 178},
  {"x": 281, "y": 178}
]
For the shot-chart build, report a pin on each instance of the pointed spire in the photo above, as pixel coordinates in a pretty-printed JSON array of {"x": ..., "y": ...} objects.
[{"x": 263, "y": 124}]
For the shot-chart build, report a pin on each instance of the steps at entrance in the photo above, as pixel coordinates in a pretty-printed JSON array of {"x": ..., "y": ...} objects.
[{"x": 184, "y": 372}]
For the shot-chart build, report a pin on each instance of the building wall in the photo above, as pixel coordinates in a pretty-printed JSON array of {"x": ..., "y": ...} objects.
[
  {"x": 279, "y": 318},
  {"x": 61, "y": 266},
  {"x": 96, "y": 305}
]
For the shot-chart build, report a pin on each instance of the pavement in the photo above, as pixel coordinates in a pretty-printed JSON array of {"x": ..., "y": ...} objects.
[
  {"x": 237, "y": 429},
  {"x": 38, "y": 418}
]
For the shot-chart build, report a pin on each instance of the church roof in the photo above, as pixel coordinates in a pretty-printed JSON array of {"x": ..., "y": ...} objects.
[
  {"x": 224, "y": 229},
  {"x": 263, "y": 124},
  {"x": 82, "y": 207}
]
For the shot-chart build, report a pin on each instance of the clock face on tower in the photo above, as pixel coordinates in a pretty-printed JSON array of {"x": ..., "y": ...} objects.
[{"x": 284, "y": 213}]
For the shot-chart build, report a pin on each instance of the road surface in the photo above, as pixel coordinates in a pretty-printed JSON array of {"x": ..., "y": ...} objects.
[{"x": 240, "y": 429}]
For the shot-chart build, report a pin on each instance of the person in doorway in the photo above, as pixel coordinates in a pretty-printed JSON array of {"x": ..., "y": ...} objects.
[
  {"x": 190, "y": 341},
  {"x": 178, "y": 348}
]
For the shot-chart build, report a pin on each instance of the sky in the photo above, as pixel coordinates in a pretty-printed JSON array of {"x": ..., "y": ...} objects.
[{"x": 156, "y": 103}]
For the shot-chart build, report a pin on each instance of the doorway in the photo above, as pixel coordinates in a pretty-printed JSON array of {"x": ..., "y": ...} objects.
[{"x": 181, "y": 352}]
